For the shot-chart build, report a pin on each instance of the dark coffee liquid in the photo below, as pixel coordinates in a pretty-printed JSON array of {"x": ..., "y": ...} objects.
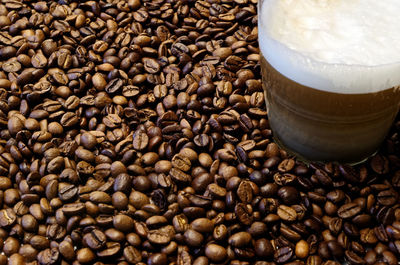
[{"x": 327, "y": 126}]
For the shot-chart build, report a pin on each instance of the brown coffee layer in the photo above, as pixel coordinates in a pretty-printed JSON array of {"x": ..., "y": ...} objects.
[{"x": 322, "y": 125}]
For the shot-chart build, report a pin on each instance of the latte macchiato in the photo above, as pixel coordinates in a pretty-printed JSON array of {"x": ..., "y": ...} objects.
[{"x": 331, "y": 73}]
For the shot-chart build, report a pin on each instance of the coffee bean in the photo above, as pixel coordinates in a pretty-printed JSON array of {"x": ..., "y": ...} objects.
[
  {"x": 243, "y": 214},
  {"x": 302, "y": 249},
  {"x": 140, "y": 140},
  {"x": 263, "y": 248},
  {"x": 69, "y": 119},
  {"x": 286, "y": 213},
  {"x": 151, "y": 65},
  {"x": 99, "y": 82},
  {"x": 7, "y": 217},
  {"x": 96, "y": 239},
  {"x": 88, "y": 140},
  {"x": 111, "y": 249},
  {"x": 353, "y": 258},
  {"x": 283, "y": 255},
  {"x": 114, "y": 85},
  {"x": 49, "y": 256},
  {"x": 288, "y": 194},
  {"x": 349, "y": 210},
  {"x": 389, "y": 257},
  {"x": 158, "y": 237},
  {"x": 123, "y": 223},
  {"x": 202, "y": 225},
  {"x": 85, "y": 255},
  {"x": 181, "y": 162},
  {"x": 66, "y": 249},
  {"x": 15, "y": 125},
  {"x": 215, "y": 253},
  {"x": 245, "y": 192},
  {"x": 387, "y": 197},
  {"x": 132, "y": 255},
  {"x": 193, "y": 238},
  {"x": 379, "y": 164},
  {"x": 179, "y": 176},
  {"x": 240, "y": 239}
]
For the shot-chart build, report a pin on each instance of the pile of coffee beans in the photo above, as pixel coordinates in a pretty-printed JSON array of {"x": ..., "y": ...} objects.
[{"x": 135, "y": 132}]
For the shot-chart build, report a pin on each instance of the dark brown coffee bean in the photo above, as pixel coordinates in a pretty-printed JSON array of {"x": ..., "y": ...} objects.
[
  {"x": 85, "y": 255},
  {"x": 353, "y": 258},
  {"x": 368, "y": 236},
  {"x": 140, "y": 140},
  {"x": 193, "y": 238},
  {"x": 349, "y": 210},
  {"x": 263, "y": 248},
  {"x": 286, "y": 213},
  {"x": 132, "y": 255},
  {"x": 215, "y": 253},
  {"x": 7, "y": 217},
  {"x": 66, "y": 249},
  {"x": 179, "y": 176},
  {"x": 151, "y": 65},
  {"x": 245, "y": 192},
  {"x": 283, "y": 255},
  {"x": 240, "y": 239},
  {"x": 73, "y": 208},
  {"x": 202, "y": 225},
  {"x": 243, "y": 214},
  {"x": 380, "y": 164},
  {"x": 15, "y": 125},
  {"x": 158, "y": 237},
  {"x": 387, "y": 197},
  {"x": 389, "y": 257},
  {"x": 289, "y": 195},
  {"x": 49, "y": 256},
  {"x": 123, "y": 223},
  {"x": 114, "y": 85},
  {"x": 181, "y": 162},
  {"x": 111, "y": 249},
  {"x": 96, "y": 239}
]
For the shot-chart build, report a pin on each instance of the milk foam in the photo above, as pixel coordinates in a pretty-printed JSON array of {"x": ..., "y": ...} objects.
[{"x": 343, "y": 46}]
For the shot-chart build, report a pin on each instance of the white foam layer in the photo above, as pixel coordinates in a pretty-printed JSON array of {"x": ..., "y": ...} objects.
[{"x": 344, "y": 46}]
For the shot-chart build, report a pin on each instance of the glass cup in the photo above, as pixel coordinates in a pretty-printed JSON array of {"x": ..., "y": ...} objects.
[{"x": 322, "y": 111}]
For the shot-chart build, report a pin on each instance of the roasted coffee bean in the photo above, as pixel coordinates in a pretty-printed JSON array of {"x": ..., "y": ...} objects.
[
  {"x": 7, "y": 217},
  {"x": 286, "y": 213},
  {"x": 263, "y": 248},
  {"x": 66, "y": 249},
  {"x": 202, "y": 225},
  {"x": 349, "y": 210},
  {"x": 158, "y": 237},
  {"x": 179, "y": 176},
  {"x": 245, "y": 192},
  {"x": 215, "y": 253},
  {"x": 49, "y": 256},
  {"x": 243, "y": 214},
  {"x": 114, "y": 85},
  {"x": 283, "y": 255},
  {"x": 132, "y": 255},
  {"x": 288, "y": 194},
  {"x": 193, "y": 238},
  {"x": 96, "y": 239},
  {"x": 240, "y": 239},
  {"x": 181, "y": 162},
  {"x": 140, "y": 140},
  {"x": 353, "y": 258}
]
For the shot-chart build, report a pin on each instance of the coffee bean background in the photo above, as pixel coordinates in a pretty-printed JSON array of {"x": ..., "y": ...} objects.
[{"x": 135, "y": 132}]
